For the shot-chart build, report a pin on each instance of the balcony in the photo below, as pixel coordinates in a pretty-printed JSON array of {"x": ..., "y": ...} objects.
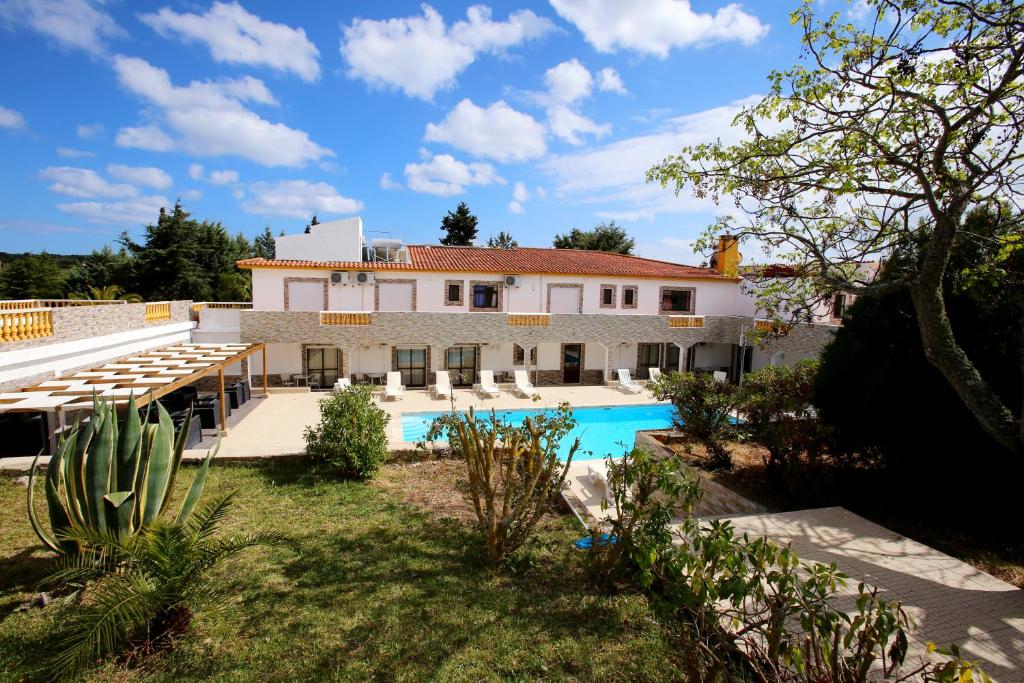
[
  {"x": 685, "y": 321},
  {"x": 529, "y": 319},
  {"x": 345, "y": 318}
]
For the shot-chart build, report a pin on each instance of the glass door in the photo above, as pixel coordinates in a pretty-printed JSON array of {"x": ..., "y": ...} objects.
[
  {"x": 648, "y": 356},
  {"x": 572, "y": 363},
  {"x": 412, "y": 364},
  {"x": 671, "y": 359},
  {"x": 462, "y": 365},
  {"x": 322, "y": 367}
]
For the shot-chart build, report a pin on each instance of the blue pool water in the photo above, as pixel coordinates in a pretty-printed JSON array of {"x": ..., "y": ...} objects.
[{"x": 602, "y": 430}]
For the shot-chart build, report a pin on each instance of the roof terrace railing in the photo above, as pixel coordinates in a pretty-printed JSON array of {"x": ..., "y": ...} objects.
[
  {"x": 158, "y": 311},
  {"x": 22, "y": 325},
  {"x": 234, "y": 305},
  {"x": 528, "y": 319},
  {"x": 24, "y": 304}
]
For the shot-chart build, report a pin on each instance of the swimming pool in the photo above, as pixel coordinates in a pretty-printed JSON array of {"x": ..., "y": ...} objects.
[{"x": 602, "y": 430}]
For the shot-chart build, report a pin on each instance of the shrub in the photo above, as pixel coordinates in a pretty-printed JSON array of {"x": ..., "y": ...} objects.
[
  {"x": 514, "y": 471},
  {"x": 351, "y": 435},
  {"x": 646, "y": 493},
  {"x": 113, "y": 478},
  {"x": 142, "y": 591},
  {"x": 777, "y": 411},
  {"x": 704, "y": 409}
]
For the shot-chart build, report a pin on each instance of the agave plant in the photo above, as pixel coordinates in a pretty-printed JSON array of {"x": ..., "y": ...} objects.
[
  {"x": 113, "y": 479},
  {"x": 144, "y": 590}
]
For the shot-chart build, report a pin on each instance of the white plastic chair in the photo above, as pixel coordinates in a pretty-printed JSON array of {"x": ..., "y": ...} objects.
[
  {"x": 523, "y": 387},
  {"x": 342, "y": 384},
  {"x": 487, "y": 386},
  {"x": 626, "y": 382},
  {"x": 653, "y": 374},
  {"x": 720, "y": 375},
  {"x": 394, "y": 388},
  {"x": 443, "y": 385}
]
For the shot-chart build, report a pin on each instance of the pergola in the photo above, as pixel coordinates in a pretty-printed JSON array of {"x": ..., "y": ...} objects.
[{"x": 146, "y": 376}]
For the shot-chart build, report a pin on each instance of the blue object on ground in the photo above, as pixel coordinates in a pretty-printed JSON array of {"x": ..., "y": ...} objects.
[{"x": 587, "y": 542}]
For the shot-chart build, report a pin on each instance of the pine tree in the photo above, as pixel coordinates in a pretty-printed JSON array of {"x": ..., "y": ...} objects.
[
  {"x": 603, "y": 237},
  {"x": 502, "y": 240},
  {"x": 459, "y": 227},
  {"x": 264, "y": 245}
]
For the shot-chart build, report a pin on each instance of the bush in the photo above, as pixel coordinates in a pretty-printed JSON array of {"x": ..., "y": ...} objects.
[
  {"x": 646, "y": 494},
  {"x": 777, "y": 411},
  {"x": 351, "y": 435},
  {"x": 514, "y": 471},
  {"x": 704, "y": 409}
]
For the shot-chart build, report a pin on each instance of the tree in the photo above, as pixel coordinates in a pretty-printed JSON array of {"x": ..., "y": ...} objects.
[
  {"x": 309, "y": 226},
  {"x": 884, "y": 142},
  {"x": 182, "y": 258},
  {"x": 704, "y": 409},
  {"x": 105, "y": 293},
  {"x": 459, "y": 227},
  {"x": 502, "y": 240},
  {"x": 602, "y": 237},
  {"x": 264, "y": 246},
  {"x": 32, "y": 276},
  {"x": 100, "y": 269}
]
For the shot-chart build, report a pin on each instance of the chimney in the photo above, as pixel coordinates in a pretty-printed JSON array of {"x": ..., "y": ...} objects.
[{"x": 727, "y": 257}]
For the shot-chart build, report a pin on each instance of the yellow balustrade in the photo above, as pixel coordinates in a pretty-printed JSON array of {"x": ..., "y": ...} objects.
[
  {"x": 23, "y": 325},
  {"x": 686, "y": 321},
  {"x": 23, "y": 304},
  {"x": 239, "y": 305},
  {"x": 344, "y": 318},
  {"x": 771, "y": 327},
  {"x": 529, "y": 319},
  {"x": 156, "y": 312}
]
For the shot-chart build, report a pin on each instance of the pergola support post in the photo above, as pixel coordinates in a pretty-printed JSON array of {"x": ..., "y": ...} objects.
[
  {"x": 223, "y": 398},
  {"x": 265, "y": 391}
]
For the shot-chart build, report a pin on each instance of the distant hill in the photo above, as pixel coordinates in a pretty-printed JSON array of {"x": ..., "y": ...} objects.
[{"x": 65, "y": 261}]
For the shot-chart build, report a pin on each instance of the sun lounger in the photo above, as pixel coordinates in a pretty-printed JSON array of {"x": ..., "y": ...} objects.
[
  {"x": 487, "y": 386},
  {"x": 342, "y": 384},
  {"x": 720, "y": 375},
  {"x": 653, "y": 374},
  {"x": 443, "y": 385},
  {"x": 394, "y": 388},
  {"x": 523, "y": 387},
  {"x": 626, "y": 382}
]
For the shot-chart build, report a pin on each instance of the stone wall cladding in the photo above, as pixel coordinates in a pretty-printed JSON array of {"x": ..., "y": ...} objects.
[
  {"x": 453, "y": 329},
  {"x": 81, "y": 322}
]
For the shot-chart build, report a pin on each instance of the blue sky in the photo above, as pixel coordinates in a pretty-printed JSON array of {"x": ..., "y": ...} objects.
[{"x": 540, "y": 115}]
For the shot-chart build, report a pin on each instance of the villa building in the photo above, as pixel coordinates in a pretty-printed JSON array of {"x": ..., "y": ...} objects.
[{"x": 333, "y": 304}]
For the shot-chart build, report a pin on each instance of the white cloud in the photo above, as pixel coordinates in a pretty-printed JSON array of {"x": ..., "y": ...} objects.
[
  {"x": 72, "y": 153},
  {"x": 519, "y": 192},
  {"x": 224, "y": 177},
  {"x": 141, "y": 175},
  {"x": 444, "y": 175},
  {"x": 84, "y": 182},
  {"x": 655, "y": 27},
  {"x": 235, "y": 36},
  {"x": 568, "y": 82},
  {"x": 541, "y": 193},
  {"x": 298, "y": 199},
  {"x": 149, "y": 138},
  {"x": 192, "y": 195},
  {"x": 498, "y": 132},
  {"x": 614, "y": 173},
  {"x": 140, "y": 210},
  {"x": 608, "y": 80},
  {"x": 238, "y": 193},
  {"x": 515, "y": 207},
  {"x": 79, "y": 24},
  {"x": 11, "y": 119},
  {"x": 89, "y": 131},
  {"x": 195, "y": 171},
  {"x": 386, "y": 183},
  {"x": 419, "y": 55},
  {"x": 211, "y": 120},
  {"x": 567, "y": 124}
]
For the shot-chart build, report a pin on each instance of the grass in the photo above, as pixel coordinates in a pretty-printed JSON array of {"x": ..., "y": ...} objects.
[{"x": 382, "y": 589}]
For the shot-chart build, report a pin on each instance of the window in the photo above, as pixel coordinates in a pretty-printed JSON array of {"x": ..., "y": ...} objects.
[
  {"x": 838, "y": 305},
  {"x": 453, "y": 293},
  {"x": 485, "y": 296},
  {"x": 676, "y": 300},
  {"x": 608, "y": 296},
  {"x": 323, "y": 365},
  {"x": 412, "y": 364},
  {"x": 629, "y": 297},
  {"x": 519, "y": 355}
]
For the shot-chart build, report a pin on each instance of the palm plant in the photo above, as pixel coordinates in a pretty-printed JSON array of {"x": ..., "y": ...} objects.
[
  {"x": 113, "y": 478},
  {"x": 144, "y": 589},
  {"x": 106, "y": 293}
]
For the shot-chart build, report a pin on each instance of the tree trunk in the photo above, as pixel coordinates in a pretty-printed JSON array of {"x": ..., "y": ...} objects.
[{"x": 943, "y": 352}]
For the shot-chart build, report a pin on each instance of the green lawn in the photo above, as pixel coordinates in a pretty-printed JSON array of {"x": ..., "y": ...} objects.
[{"x": 381, "y": 590}]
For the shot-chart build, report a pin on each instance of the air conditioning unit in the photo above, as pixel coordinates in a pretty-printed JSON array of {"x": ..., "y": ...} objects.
[
  {"x": 364, "y": 278},
  {"x": 339, "y": 277},
  {"x": 511, "y": 280}
]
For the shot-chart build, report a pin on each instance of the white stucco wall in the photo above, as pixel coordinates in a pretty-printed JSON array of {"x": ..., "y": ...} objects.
[{"x": 340, "y": 240}]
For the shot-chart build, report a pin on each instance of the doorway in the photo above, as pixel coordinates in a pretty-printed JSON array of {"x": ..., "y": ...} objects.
[
  {"x": 323, "y": 366},
  {"x": 572, "y": 363},
  {"x": 412, "y": 365},
  {"x": 648, "y": 356},
  {"x": 671, "y": 359},
  {"x": 462, "y": 365}
]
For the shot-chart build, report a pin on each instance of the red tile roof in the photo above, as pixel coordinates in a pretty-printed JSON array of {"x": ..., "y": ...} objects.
[{"x": 521, "y": 260}]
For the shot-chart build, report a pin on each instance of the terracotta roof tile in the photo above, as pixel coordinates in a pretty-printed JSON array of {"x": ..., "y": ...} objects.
[{"x": 521, "y": 260}]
